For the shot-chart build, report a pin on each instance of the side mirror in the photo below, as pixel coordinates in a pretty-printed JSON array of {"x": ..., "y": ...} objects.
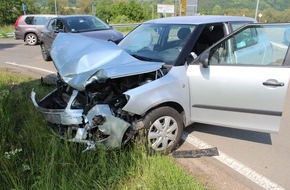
[
  {"x": 58, "y": 30},
  {"x": 191, "y": 57},
  {"x": 203, "y": 59}
]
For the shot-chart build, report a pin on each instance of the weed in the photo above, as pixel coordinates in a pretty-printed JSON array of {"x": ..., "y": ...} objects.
[{"x": 31, "y": 157}]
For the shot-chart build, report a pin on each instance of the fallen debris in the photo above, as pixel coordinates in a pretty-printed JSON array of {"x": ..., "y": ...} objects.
[{"x": 208, "y": 152}]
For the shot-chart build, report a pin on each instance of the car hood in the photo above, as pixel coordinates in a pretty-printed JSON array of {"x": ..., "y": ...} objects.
[
  {"x": 109, "y": 34},
  {"x": 80, "y": 60}
]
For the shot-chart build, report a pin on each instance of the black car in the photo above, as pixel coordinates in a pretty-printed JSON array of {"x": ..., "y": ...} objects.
[{"x": 86, "y": 25}]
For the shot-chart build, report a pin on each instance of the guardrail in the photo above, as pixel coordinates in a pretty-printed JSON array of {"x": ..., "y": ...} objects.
[
  {"x": 128, "y": 25},
  {"x": 7, "y": 35}
]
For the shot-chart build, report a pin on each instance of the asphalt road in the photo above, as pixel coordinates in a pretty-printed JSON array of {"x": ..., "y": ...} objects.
[{"x": 266, "y": 155}]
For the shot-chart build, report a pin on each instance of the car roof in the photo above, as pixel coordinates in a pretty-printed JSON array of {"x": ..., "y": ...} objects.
[
  {"x": 40, "y": 15},
  {"x": 70, "y": 16},
  {"x": 200, "y": 19}
]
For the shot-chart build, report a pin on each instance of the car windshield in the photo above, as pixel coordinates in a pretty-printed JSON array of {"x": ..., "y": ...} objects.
[
  {"x": 85, "y": 24},
  {"x": 157, "y": 42}
]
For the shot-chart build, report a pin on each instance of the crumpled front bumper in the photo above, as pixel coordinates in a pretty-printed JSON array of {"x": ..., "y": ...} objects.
[
  {"x": 112, "y": 128},
  {"x": 65, "y": 116}
]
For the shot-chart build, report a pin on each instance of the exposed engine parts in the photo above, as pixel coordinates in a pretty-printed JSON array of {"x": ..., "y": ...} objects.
[{"x": 95, "y": 115}]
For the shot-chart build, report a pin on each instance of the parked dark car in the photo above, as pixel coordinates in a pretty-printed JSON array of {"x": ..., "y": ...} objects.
[
  {"x": 86, "y": 25},
  {"x": 29, "y": 27}
]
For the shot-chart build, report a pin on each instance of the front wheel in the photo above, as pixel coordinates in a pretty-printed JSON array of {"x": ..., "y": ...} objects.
[
  {"x": 45, "y": 55},
  {"x": 164, "y": 129},
  {"x": 31, "y": 39}
]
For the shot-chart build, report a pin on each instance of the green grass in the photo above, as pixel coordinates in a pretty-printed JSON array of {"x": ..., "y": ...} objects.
[
  {"x": 6, "y": 29},
  {"x": 31, "y": 157}
]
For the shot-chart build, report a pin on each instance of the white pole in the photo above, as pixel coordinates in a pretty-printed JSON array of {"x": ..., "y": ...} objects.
[
  {"x": 257, "y": 8},
  {"x": 55, "y": 7}
]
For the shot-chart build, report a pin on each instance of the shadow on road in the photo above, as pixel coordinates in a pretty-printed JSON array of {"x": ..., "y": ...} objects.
[
  {"x": 258, "y": 137},
  {"x": 8, "y": 45}
]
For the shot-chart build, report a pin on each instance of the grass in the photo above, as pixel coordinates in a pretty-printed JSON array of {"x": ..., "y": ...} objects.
[
  {"x": 31, "y": 157},
  {"x": 6, "y": 29}
]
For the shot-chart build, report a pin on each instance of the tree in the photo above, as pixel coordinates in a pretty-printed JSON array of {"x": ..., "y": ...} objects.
[
  {"x": 104, "y": 9},
  {"x": 84, "y": 7},
  {"x": 134, "y": 11},
  {"x": 217, "y": 10},
  {"x": 113, "y": 10},
  {"x": 11, "y": 9}
]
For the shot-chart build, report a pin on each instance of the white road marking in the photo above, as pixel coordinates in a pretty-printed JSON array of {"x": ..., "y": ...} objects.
[
  {"x": 234, "y": 164},
  {"x": 30, "y": 67}
]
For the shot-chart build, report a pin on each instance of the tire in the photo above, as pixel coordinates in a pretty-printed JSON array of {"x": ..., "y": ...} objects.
[
  {"x": 45, "y": 55},
  {"x": 31, "y": 39},
  {"x": 164, "y": 128}
]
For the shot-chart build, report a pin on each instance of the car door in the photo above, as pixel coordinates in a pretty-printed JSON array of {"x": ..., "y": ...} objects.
[
  {"x": 252, "y": 47},
  {"x": 246, "y": 95},
  {"x": 50, "y": 33}
]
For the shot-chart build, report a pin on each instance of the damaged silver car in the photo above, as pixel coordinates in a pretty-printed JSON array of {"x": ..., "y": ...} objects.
[{"x": 156, "y": 79}]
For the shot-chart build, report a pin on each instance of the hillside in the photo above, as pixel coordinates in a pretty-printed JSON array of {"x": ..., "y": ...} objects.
[{"x": 208, "y": 5}]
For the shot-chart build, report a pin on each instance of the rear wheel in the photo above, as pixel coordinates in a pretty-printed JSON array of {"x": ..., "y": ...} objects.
[
  {"x": 31, "y": 39},
  {"x": 164, "y": 129},
  {"x": 44, "y": 53}
]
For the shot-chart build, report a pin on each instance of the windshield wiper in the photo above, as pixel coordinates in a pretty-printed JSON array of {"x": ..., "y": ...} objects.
[{"x": 142, "y": 58}]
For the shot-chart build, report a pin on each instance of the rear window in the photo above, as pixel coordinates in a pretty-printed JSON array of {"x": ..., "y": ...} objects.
[
  {"x": 29, "y": 20},
  {"x": 35, "y": 20}
]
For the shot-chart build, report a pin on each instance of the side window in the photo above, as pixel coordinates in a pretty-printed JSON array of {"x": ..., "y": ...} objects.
[
  {"x": 236, "y": 25},
  {"x": 29, "y": 20},
  {"x": 59, "y": 25},
  {"x": 253, "y": 45},
  {"x": 52, "y": 25},
  {"x": 246, "y": 38},
  {"x": 209, "y": 36},
  {"x": 39, "y": 20}
]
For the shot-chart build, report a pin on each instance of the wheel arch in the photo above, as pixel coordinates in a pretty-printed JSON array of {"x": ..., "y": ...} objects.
[
  {"x": 30, "y": 32},
  {"x": 164, "y": 125},
  {"x": 173, "y": 105}
]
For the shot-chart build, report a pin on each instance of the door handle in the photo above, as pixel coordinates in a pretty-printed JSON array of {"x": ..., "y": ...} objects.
[{"x": 273, "y": 83}]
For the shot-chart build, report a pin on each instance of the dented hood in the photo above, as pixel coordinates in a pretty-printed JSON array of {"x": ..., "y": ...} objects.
[{"x": 80, "y": 60}]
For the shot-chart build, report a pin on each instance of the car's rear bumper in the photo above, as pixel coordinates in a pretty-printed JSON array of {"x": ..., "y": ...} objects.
[{"x": 17, "y": 35}]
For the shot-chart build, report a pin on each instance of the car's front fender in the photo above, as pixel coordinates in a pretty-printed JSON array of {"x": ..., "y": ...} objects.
[{"x": 173, "y": 87}]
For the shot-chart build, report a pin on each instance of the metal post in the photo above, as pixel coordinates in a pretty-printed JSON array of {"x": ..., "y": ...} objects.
[
  {"x": 152, "y": 13},
  {"x": 257, "y": 8},
  {"x": 55, "y": 7},
  {"x": 94, "y": 10},
  {"x": 180, "y": 7},
  {"x": 24, "y": 8}
]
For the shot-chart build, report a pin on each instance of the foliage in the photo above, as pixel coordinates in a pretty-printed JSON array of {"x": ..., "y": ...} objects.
[
  {"x": 140, "y": 10},
  {"x": 109, "y": 10},
  {"x": 272, "y": 10},
  {"x": 6, "y": 29},
  {"x": 208, "y": 5},
  {"x": 32, "y": 157}
]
